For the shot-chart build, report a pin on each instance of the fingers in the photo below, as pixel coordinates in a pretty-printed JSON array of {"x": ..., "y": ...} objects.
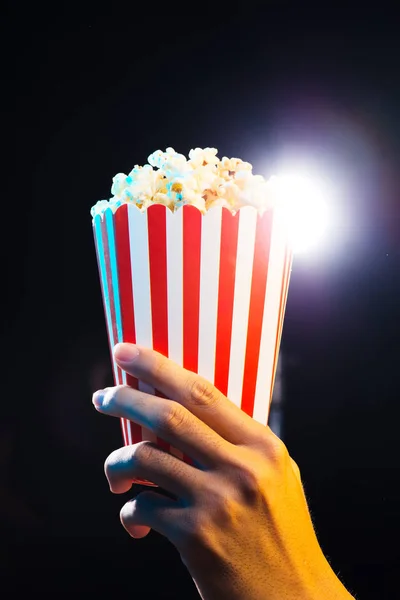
[
  {"x": 168, "y": 420},
  {"x": 137, "y": 531},
  {"x": 149, "y": 510},
  {"x": 145, "y": 460},
  {"x": 189, "y": 389}
]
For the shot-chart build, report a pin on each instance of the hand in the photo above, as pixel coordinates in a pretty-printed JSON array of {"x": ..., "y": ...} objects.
[{"x": 238, "y": 515}]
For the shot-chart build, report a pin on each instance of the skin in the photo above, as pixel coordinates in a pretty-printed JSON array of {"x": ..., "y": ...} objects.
[{"x": 238, "y": 514}]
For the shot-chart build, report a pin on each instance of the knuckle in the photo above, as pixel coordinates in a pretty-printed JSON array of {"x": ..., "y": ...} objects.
[
  {"x": 296, "y": 468},
  {"x": 225, "y": 508},
  {"x": 249, "y": 475},
  {"x": 264, "y": 437},
  {"x": 250, "y": 483},
  {"x": 203, "y": 393},
  {"x": 139, "y": 506},
  {"x": 277, "y": 451},
  {"x": 139, "y": 503},
  {"x": 174, "y": 417},
  {"x": 112, "y": 396},
  {"x": 194, "y": 532},
  {"x": 112, "y": 461},
  {"x": 125, "y": 517},
  {"x": 133, "y": 513},
  {"x": 272, "y": 447},
  {"x": 131, "y": 457},
  {"x": 141, "y": 454}
]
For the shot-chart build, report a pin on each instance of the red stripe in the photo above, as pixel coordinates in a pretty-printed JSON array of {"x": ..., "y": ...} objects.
[
  {"x": 118, "y": 380},
  {"x": 163, "y": 444},
  {"x": 187, "y": 459},
  {"x": 282, "y": 301},
  {"x": 191, "y": 285},
  {"x": 125, "y": 274},
  {"x": 256, "y": 310},
  {"x": 191, "y": 254},
  {"x": 122, "y": 244},
  {"x": 157, "y": 231},
  {"x": 226, "y": 288}
]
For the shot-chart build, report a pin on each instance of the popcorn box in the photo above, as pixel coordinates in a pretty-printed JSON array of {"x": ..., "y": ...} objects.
[{"x": 206, "y": 290}]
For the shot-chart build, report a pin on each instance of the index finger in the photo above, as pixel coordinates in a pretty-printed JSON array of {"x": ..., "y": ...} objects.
[{"x": 191, "y": 390}]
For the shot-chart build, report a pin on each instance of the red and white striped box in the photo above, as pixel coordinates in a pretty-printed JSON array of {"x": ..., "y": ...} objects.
[{"x": 208, "y": 291}]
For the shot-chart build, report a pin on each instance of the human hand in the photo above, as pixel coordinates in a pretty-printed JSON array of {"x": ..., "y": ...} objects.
[{"x": 238, "y": 515}]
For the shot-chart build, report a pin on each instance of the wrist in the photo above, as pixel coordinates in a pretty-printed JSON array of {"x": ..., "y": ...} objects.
[
  {"x": 327, "y": 585},
  {"x": 323, "y": 584}
]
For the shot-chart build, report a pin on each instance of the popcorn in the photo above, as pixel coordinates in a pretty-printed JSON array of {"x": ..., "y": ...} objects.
[
  {"x": 169, "y": 161},
  {"x": 100, "y": 207},
  {"x": 156, "y": 159},
  {"x": 203, "y": 158},
  {"x": 203, "y": 180},
  {"x": 230, "y": 193},
  {"x": 119, "y": 184},
  {"x": 230, "y": 166}
]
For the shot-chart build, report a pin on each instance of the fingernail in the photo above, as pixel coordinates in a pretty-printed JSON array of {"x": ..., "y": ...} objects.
[
  {"x": 126, "y": 352},
  {"x": 97, "y": 398}
]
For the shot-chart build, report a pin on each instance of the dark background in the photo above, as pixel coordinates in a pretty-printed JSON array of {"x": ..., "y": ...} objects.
[{"x": 88, "y": 93}]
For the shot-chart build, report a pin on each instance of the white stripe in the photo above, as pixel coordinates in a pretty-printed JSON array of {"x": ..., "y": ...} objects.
[
  {"x": 241, "y": 303},
  {"x": 129, "y": 430},
  {"x": 139, "y": 250},
  {"x": 209, "y": 280},
  {"x": 270, "y": 320},
  {"x": 127, "y": 422},
  {"x": 175, "y": 285}
]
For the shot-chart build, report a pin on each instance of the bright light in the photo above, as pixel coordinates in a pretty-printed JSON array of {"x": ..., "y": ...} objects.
[{"x": 303, "y": 203}]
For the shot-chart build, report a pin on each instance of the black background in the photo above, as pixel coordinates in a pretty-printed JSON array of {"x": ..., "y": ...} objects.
[{"x": 88, "y": 93}]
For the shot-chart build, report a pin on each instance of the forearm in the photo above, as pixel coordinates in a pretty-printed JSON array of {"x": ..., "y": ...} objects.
[{"x": 328, "y": 586}]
